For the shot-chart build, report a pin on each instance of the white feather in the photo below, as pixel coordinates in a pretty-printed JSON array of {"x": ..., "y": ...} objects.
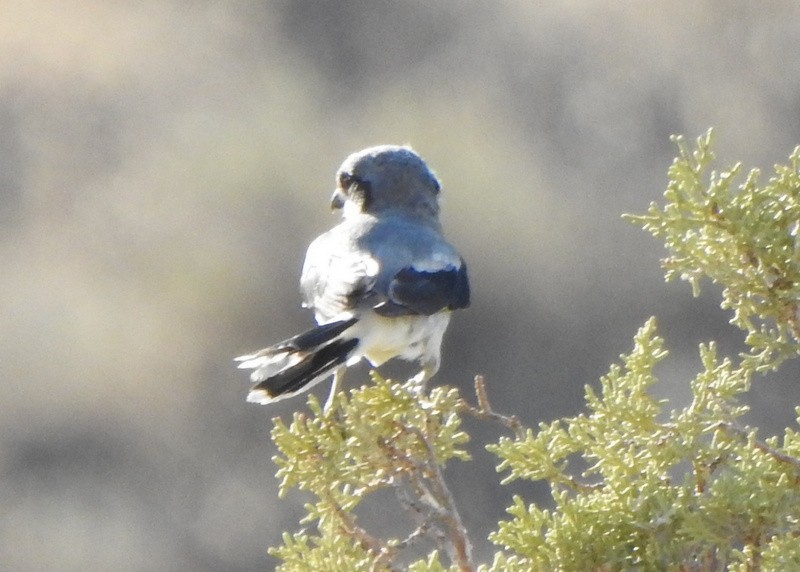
[
  {"x": 407, "y": 337},
  {"x": 267, "y": 366}
]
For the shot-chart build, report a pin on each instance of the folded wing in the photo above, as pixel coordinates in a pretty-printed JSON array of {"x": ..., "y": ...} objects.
[{"x": 426, "y": 292}]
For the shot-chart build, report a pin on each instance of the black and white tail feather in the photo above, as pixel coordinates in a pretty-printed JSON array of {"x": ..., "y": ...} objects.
[
  {"x": 382, "y": 283},
  {"x": 297, "y": 364}
]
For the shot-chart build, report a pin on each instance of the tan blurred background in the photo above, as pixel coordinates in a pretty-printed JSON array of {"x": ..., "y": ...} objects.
[{"x": 164, "y": 164}]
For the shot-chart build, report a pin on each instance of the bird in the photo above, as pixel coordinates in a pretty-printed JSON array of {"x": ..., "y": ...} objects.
[{"x": 382, "y": 283}]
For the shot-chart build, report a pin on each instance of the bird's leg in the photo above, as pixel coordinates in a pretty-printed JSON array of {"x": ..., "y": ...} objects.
[
  {"x": 336, "y": 384},
  {"x": 420, "y": 380}
]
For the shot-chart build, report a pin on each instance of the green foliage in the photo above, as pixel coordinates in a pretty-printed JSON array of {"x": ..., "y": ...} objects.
[
  {"x": 635, "y": 485},
  {"x": 744, "y": 237},
  {"x": 328, "y": 552},
  {"x": 660, "y": 491},
  {"x": 386, "y": 435}
]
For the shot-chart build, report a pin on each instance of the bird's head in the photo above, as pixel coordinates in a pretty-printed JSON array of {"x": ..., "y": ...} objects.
[{"x": 386, "y": 178}]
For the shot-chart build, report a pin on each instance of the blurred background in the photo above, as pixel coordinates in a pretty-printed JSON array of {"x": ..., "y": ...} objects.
[{"x": 164, "y": 164}]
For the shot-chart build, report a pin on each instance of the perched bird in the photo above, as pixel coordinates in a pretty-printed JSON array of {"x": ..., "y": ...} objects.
[{"x": 382, "y": 283}]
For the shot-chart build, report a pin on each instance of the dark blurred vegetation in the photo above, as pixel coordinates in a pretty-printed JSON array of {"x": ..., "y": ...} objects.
[{"x": 163, "y": 166}]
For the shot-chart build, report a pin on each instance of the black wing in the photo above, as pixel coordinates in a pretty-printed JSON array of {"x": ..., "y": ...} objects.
[{"x": 413, "y": 291}]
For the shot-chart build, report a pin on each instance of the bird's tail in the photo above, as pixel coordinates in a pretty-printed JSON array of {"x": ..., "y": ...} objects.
[{"x": 297, "y": 364}]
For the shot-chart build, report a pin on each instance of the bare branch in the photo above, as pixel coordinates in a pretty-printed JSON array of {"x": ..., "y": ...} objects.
[
  {"x": 484, "y": 410},
  {"x": 434, "y": 502},
  {"x": 384, "y": 554},
  {"x": 461, "y": 548},
  {"x": 419, "y": 515}
]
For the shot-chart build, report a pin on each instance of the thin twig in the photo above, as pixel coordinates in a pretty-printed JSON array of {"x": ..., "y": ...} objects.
[
  {"x": 435, "y": 501},
  {"x": 384, "y": 554},
  {"x": 761, "y": 445},
  {"x": 425, "y": 509},
  {"x": 415, "y": 536},
  {"x": 461, "y": 546},
  {"x": 418, "y": 473},
  {"x": 578, "y": 486},
  {"x": 423, "y": 521},
  {"x": 484, "y": 410},
  {"x": 424, "y": 513}
]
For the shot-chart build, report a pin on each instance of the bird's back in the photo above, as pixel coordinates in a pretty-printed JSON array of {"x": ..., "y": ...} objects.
[{"x": 352, "y": 265}]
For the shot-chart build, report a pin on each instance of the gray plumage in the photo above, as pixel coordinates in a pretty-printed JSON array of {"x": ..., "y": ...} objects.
[{"x": 382, "y": 283}]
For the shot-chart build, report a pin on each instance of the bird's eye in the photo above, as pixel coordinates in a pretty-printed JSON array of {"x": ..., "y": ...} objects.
[
  {"x": 346, "y": 180},
  {"x": 356, "y": 189}
]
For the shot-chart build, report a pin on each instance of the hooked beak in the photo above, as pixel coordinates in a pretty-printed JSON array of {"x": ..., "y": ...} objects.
[{"x": 337, "y": 199}]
